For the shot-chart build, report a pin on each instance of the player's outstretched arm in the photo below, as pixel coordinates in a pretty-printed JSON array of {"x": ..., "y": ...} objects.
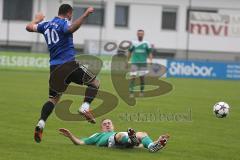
[
  {"x": 68, "y": 134},
  {"x": 78, "y": 22},
  {"x": 32, "y": 26}
]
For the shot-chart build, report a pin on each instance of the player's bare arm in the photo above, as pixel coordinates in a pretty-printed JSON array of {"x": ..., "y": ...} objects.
[
  {"x": 128, "y": 58},
  {"x": 32, "y": 26},
  {"x": 78, "y": 22},
  {"x": 68, "y": 134},
  {"x": 150, "y": 57},
  {"x": 129, "y": 55}
]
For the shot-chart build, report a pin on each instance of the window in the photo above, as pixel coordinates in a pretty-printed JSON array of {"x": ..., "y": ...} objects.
[
  {"x": 94, "y": 19},
  {"x": 17, "y": 10},
  {"x": 169, "y": 18},
  {"x": 121, "y": 16}
]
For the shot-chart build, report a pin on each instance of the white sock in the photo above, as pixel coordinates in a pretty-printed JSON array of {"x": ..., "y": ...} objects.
[
  {"x": 41, "y": 124},
  {"x": 150, "y": 144},
  {"x": 84, "y": 107}
]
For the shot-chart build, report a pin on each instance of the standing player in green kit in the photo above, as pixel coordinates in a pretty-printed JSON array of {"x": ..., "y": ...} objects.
[{"x": 138, "y": 54}]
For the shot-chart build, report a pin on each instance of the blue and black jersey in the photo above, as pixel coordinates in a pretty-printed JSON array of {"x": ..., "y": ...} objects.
[{"x": 58, "y": 39}]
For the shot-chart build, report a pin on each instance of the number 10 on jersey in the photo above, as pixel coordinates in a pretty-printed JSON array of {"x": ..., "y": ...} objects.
[{"x": 52, "y": 36}]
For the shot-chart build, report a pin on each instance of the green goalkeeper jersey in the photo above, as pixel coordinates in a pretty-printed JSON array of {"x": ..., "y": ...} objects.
[
  {"x": 140, "y": 51},
  {"x": 99, "y": 139}
]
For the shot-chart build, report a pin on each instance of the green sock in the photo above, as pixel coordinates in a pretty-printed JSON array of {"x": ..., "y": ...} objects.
[
  {"x": 142, "y": 87},
  {"x": 142, "y": 83},
  {"x": 131, "y": 86},
  {"x": 146, "y": 141}
]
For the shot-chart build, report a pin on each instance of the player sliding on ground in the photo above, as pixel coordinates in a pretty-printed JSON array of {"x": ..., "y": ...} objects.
[
  {"x": 58, "y": 34},
  {"x": 109, "y": 138}
]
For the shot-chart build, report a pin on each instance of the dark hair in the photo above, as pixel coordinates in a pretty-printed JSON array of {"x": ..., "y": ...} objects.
[
  {"x": 140, "y": 30},
  {"x": 64, "y": 9}
]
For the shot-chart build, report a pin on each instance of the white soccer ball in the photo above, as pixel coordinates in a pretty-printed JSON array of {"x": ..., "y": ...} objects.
[{"x": 221, "y": 109}]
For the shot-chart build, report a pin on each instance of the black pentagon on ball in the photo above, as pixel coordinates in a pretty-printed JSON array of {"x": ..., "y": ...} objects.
[{"x": 221, "y": 115}]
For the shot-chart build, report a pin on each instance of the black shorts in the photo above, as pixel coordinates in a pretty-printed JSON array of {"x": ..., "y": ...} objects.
[{"x": 62, "y": 75}]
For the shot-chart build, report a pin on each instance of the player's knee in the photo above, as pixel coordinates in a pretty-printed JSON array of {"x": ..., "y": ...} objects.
[
  {"x": 54, "y": 100},
  {"x": 119, "y": 136},
  {"x": 142, "y": 79},
  {"x": 140, "y": 135},
  {"x": 133, "y": 78},
  {"x": 95, "y": 83}
]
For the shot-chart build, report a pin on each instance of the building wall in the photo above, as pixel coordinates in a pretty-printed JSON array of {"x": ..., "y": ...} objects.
[
  {"x": 216, "y": 43},
  {"x": 142, "y": 15}
]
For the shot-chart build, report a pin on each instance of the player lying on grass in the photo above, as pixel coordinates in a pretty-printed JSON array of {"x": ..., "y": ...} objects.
[
  {"x": 109, "y": 138},
  {"x": 58, "y": 34}
]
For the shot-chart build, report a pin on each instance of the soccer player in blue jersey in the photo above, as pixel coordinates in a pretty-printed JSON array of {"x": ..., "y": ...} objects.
[{"x": 58, "y": 34}]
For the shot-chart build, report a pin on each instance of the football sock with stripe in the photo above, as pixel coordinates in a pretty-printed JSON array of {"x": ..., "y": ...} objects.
[
  {"x": 146, "y": 141},
  {"x": 142, "y": 84},
  {"x": 90, "y": 93},
  {"x": 131, "y": 85}
]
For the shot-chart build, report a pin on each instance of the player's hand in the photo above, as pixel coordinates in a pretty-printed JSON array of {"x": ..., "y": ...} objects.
[
  {"x": 65, "y": 132},
  {"x": 39, "y": 17},
  {"x": 150, "y": 62},
  {"x": 90, "y": 10}
]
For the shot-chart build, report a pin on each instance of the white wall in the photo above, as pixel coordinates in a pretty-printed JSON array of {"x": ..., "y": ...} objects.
[
  {"x": 147, "y": 15},
  {"x": 143, "y": 14},
  {"x": 216, "y": 43}
]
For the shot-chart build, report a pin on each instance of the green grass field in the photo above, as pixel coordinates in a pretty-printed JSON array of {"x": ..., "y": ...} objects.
[{"x": 204, "y": 137}]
